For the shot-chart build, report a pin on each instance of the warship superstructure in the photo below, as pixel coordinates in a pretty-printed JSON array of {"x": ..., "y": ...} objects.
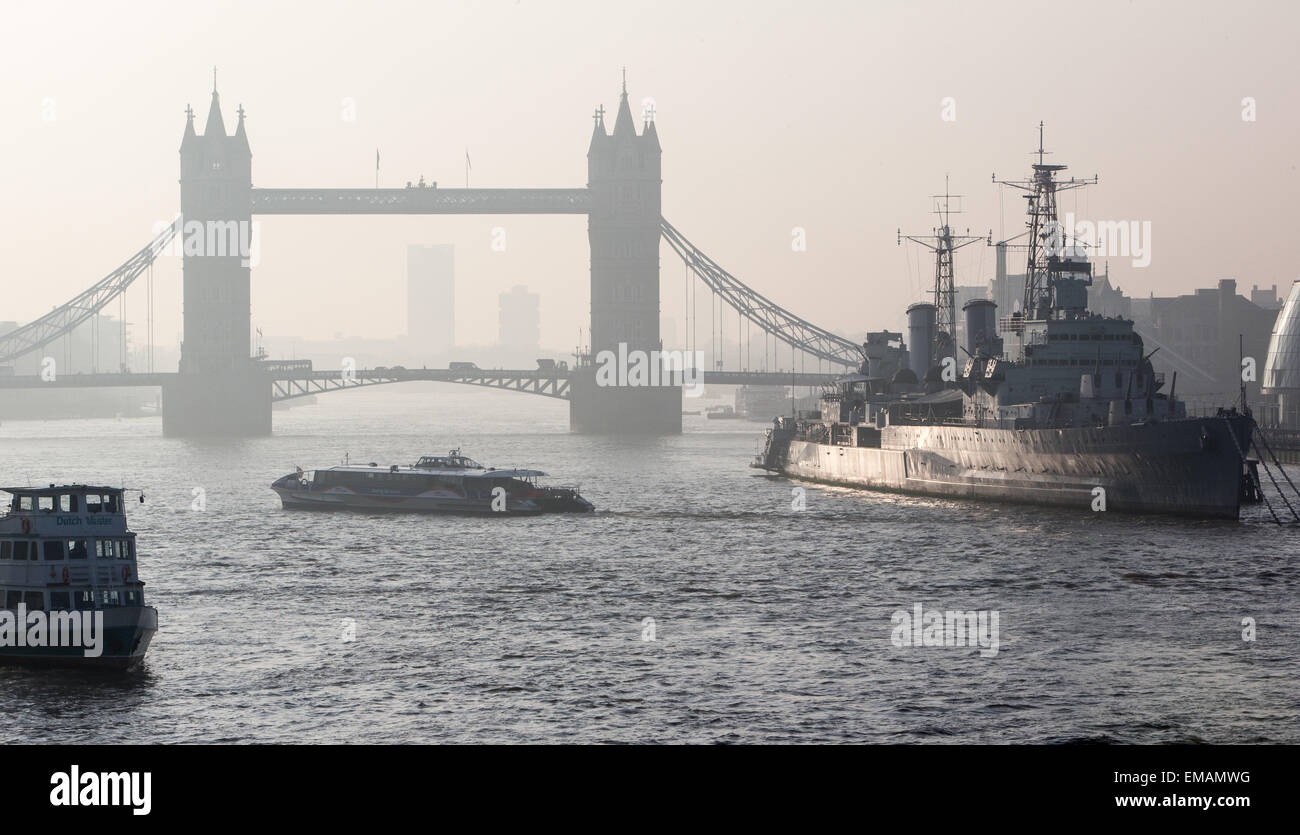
[{"x": 1052, "y": 405}]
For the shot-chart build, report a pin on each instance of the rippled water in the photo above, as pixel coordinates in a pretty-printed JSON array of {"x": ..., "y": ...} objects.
[{"x": 771, "y": 624}]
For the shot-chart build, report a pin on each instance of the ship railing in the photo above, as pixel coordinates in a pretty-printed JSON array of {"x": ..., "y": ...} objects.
[
  {"x": 1011, "y": 324},
  {"x": 567, "y": 491},
  {"x": 813, "y": 433},
  {"x": 841, "y": 434}
]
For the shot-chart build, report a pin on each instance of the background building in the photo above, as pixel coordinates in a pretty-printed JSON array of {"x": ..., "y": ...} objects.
[
  {"x": 1203, "y": 336},
  {"x": 521, "y": 323},
  {"x": 1281, "y": 375},
  {"x": 431, "y": 299},
  {"x": 102, "y": 345}
]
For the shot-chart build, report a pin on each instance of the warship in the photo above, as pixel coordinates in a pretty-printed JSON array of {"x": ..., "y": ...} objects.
[{"x": 1053, "y": 405}]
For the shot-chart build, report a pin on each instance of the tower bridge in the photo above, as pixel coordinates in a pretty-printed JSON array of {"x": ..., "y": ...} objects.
[{"x": 219, "y": 390}]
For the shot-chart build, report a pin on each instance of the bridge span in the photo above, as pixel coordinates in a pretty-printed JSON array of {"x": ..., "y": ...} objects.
[{"x": 287, "y": 385}]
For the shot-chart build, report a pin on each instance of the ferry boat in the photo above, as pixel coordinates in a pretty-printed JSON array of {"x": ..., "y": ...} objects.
[
  {"x": 66, "y": 555},
  {"x": 449, "y": 483}
]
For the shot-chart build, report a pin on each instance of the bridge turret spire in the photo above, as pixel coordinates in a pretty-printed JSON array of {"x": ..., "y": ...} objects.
[
  {"x": 215, "y": 126},
  {"x": 650, "y": 135},
  {"x": 241, "y": 138},
  {"x": 598, "y": 134},
  {"x": 623, "y": 124},
  {"x": 189, "y": 136}
]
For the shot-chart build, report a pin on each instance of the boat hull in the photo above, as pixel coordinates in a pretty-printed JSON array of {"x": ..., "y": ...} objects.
[
  {"x": 292, "y": 499},
  {"x": 1189, "y": 467},
  {"x": 128, "y": 631}
]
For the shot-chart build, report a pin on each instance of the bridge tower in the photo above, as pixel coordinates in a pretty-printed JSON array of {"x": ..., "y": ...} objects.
[
  {"x": 219, "y": 390},
  {"x": 625, "y": 183}
]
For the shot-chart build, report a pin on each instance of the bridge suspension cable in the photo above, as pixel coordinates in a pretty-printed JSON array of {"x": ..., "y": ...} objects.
[
  {"x": 64, "y": 319},
  {"x": 772, "y": 318}
]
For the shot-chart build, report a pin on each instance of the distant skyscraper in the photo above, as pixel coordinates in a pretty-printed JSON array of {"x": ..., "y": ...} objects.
[
  {"x": 521, "y": 319},
  {"x": 431, "y": 297}
]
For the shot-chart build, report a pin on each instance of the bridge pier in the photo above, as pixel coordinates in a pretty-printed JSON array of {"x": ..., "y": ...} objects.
[
  {"x": 231, "y": 405},
  {"x": 622, "y": 410}
]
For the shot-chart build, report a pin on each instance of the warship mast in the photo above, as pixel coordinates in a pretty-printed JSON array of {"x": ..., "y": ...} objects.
[
  {"x": 1046, "y": 238},
  {"x": 943, "y": 243}
]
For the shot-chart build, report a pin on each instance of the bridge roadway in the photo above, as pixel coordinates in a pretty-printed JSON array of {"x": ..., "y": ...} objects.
[{"x": 288, "y": 384}]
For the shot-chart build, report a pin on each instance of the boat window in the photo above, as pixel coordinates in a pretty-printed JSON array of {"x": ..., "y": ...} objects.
[
  {"x": 12, "y": 599},
  {"x": 54, "y": 549},
  {"x": 126, "y": 549},
  {"x": 85, "y": 599},
  {"x": 110, "y": 503},
  {"x": 110, "y": 597},
  {"x": 45, "y": 503},
  {"x": 24, "y": 502},
  {"x": 34, "y": 600},
  {"x": 104, "y": 548},
  {"x": 20, "y": 549},
  {"x": 131, "y": 597},
  {"x": 59, "y": 601},
  {"x": 6, "y": 550},
  {"x": 68, "y": 502},
  {"x": 92, "y": 503},
  {"x": 77, "y": 549}
]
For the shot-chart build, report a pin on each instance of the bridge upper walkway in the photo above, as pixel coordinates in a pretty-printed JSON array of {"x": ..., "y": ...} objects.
[{"x": 421, "y": 201}]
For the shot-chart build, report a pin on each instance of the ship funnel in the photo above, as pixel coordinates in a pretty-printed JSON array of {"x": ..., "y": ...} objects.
[
  {"x": 921, "y": 324},
  {"x": 981, "y": 325}
]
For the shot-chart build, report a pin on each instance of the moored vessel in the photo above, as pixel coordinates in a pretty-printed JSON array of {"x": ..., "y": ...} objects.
[
  {"x": 451, "y": 483},
  {"x": 1054, "y": 405},
  {"x": 69, "y": 580}
]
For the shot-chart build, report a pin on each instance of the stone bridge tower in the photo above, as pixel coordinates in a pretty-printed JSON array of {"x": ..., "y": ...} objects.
[
  {"x": 625, "y": 183},
  {"x": 220, "y": 391}
]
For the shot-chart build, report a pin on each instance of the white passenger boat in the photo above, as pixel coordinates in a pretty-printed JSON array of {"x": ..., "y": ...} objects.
[
  {"x": 449, "y": 483},
  {"x": 69, "y": 581}
]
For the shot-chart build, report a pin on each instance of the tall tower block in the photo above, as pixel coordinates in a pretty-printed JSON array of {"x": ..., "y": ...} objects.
[
  {"x": 219, "y": 391},
  {"x": 625, "y": 183}
]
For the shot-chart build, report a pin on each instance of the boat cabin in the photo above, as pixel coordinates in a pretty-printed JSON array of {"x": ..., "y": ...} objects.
[{"x": 65, "y": 548}]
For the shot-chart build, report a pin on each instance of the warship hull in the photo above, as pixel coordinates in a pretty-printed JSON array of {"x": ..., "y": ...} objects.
[{"x": 1186, "y": 467}]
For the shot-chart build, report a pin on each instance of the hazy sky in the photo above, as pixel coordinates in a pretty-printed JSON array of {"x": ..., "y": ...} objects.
[{"x": 772, "y": 115}]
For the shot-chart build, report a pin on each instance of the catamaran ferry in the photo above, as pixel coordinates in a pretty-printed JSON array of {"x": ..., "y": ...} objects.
[
  {"x": 69, "y": 582},
  {"x": 449, "y": 483}
]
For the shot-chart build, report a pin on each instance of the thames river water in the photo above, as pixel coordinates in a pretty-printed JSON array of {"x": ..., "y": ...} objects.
[{"x": 770, "y": 623}]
